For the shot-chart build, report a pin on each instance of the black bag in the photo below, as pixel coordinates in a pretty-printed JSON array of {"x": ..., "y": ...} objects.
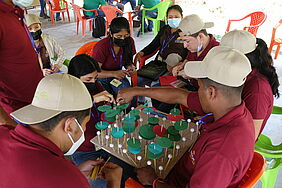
[
  {"x": 153, "y": 70},
  {"x": 99, "y": 27}
]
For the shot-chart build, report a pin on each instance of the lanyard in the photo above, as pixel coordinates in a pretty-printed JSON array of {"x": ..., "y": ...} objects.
[
  {"x": 98, "y": 113},
  {"x": 164, "y": 45},
  {"x": 201, "y": 121},
  {"x": 115, "y": 58}
]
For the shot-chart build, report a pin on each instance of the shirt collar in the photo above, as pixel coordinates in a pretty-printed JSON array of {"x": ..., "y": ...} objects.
[
  {"x": 27, "y": 136},
  {"x": 227, "y": 118}
]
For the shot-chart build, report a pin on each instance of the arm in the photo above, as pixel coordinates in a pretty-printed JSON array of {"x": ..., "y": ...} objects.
[
  {"x": 58, "y": 52},
  {"x": 5, "y": 119},
  {"x": 119, "y": 74},
  {"x": 155, "y": 44},
  {"x": 164, "y": 94}
]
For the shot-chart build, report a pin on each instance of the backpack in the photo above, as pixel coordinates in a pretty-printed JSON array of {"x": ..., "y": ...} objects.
[{"x": 99, "y": 27}]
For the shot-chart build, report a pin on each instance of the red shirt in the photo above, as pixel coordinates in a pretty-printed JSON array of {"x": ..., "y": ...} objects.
[
  {"x": 29, "y": 160},
  {"x": 221, "y": 155},
  {"x": 258, "y": 96},
  {"x": 91, "y": 130},
  {"x": 104, "y": 54},
  {"x": 19, "y": 68}
]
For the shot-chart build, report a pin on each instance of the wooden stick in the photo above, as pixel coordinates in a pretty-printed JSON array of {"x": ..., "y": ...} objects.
[{"x": 104, "y": 165}]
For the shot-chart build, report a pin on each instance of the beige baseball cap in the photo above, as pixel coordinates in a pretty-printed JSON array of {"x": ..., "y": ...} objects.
[
  {"x": 173, "y": 59},
  {"x": 192, "y": 24},
  {"x": 223, "y": 65},
  {"x": 54, "y": 94},
  {"x": 31, "y": 19},
  {"x": 240, "y": 40}
]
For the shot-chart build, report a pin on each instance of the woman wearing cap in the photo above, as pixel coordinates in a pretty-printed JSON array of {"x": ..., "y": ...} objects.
[
  {"x": 262, "y": 83},
  {"x": 165, "y": 40},
  {"x": 50, "y": 54},
  {"x": 114, "y": 53},
  {"x": 87, "y": 69}
]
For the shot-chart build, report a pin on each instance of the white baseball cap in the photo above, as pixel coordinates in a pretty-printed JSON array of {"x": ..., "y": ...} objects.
[
  {"x": 223, "y": 65},
  {"x": 54, "y": 94},
  {"x": 240, "y": 40},
  {"x": 192, "y": 24}
]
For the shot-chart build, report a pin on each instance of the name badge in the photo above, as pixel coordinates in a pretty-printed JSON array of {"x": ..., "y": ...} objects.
[{"x": 115, "y": 82}]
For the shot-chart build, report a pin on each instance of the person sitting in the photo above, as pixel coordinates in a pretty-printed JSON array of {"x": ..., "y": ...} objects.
[
  {"x": 262, "y": 83},
  {"x": 50, "y": 54},
  {"x": 152, "y": 14},
  {"x": 113, "y": 53},
  {"x": 51, "y": 127},
  {"x": 196, "y": 39},
  {"x": 224, "y": 149},
  {"x": 93, "y": 4}
]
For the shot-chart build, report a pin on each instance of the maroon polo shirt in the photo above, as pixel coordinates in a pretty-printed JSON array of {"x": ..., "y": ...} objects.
[
  {"x": 257, "y": 95},
  {"x": 30, "y": 160},
  {"x": 103, "y": 53},
  {"x": 20, "y": 71},
  {"x": 221, "y": 155}
]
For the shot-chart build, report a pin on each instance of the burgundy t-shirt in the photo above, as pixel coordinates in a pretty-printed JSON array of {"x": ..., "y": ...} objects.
[
  {"x": 30, "y": 160},
  {"x": 104, "y": 54},
  {"x": 91, "y": 130},
  {"x": 221, "y": 155},
  {"x": 19, "y": 68}
]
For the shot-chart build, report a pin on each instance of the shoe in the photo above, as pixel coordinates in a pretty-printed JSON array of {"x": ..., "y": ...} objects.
[
  {"x": 44, "y": 16},
  {"x": 58, "y": 19},
  {"x": 150, "y": 30}
]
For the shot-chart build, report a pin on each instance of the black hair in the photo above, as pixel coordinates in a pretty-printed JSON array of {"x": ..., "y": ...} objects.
[
  {"x": 228, "y": 91},
  {"x": 175, "y": 7},
  {"x": 262, "y": 61},
  {"x": 204, "y": 31},
  {"x": 116, "y": 26},
  {"x": 83, "y": 64},
  {"x": 50, "y": 124}
]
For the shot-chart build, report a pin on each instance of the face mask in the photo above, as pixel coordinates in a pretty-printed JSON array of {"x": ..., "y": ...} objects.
[
  {"x": 36, "y": 35},
  {"x": 91, "y": 87},
  {"x": 122, "y": 42},
  {"x": 75, "y": 145},
  {"x": 22, "y": 3},
  {"x": 200, "y": 47},
  {"x": 174, "y": 22}
]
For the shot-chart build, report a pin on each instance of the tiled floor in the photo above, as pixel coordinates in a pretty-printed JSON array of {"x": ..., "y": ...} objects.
[{"x": 65, "y": 34}]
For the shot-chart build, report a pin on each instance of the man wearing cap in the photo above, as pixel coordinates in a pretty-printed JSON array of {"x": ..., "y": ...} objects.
[
  {"x": 224, "y": 149},
  {"x": 19, "y": 68},
  {"x": 50, "y": 127},
  {"x": 196, "y": 39}
]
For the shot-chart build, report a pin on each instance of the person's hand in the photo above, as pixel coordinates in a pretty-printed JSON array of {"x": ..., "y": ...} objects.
[
  {"x": 146, "y": 175},
  {"x": 125, "y": 95},
  {"x": 138, "y": 57},
  {"x": 120, "y": 74},
  {"x": 104, "y": 96},
  {"x": 86, "y": 167},
  {"x": 46, "y": 72},
  {"x": 131, "y": 69},
  {"x": 112, "y": 173},
  {"x": 182, "y": 73},
  {"x": 55, "y": 68}
]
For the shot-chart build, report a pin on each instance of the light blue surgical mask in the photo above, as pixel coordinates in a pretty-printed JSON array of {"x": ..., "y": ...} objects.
[
  {"x": 22, "y": 3},
  {"x": 200, "y": 46},
  {"x": 174, "y": 22}
]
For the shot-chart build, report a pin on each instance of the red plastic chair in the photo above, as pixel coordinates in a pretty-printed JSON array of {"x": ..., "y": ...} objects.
[
  {"x": 257, "y": 19},
  {"x": 131, "y": 183},
  {"x": 87, "y": 48},
  {"x": 144, "y": 58},
  {"x": 254, "y": 172},
  {"x": 275, "y": 41},
  {"x": 83, "y": 19},
  {"x": 54, "y": 7}
]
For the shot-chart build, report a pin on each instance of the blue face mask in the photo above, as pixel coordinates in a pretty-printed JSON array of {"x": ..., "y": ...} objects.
[
  {"x": 22, "y": 3},
  {"x": 174, "y": 22}
]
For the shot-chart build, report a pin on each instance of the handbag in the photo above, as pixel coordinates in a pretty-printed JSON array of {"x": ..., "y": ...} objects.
[{"x": 153, "y": 70}]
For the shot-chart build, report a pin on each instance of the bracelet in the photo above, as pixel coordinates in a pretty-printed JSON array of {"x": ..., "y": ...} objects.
[{"x": 155, "y": 182}]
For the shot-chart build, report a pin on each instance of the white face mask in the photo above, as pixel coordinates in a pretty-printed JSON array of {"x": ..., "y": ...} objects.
[
  {"x": 75, "y": 145},
  {"x": 22, "y": 3},
  {"x": 200, "y": 47},
  {"x": 174, "y": 22}
]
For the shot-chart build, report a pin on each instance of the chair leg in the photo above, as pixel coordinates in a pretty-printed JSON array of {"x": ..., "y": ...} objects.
[
  {"x": 90, "y": 25},
  {"x": 77, "y": 26},
  {"x": 68, "y": 14},
  {"x": 83, "y": 27},
  {"x": 277, "y": 51},
  {"x": 63, "y": 15},
  {"x": 156, "y": 27},
  {"x": 268, "y": 178},
  {"x": 52, "y": 17},
  {"x": 143, "y": 22}
]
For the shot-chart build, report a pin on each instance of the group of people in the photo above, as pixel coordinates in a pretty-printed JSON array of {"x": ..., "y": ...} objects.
[{"x": 46, "y": 115}]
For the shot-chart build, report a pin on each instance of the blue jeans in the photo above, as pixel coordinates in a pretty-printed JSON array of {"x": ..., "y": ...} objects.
[
  {"x": 151, "y": 14},
  {"x": 100, "y": 13},
  {"x": 128, "y": 170},
  {"x": 132, "y": 2}
]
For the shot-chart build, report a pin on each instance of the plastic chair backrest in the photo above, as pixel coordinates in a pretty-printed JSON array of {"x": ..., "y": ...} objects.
[
  {"x": 55, "y": 4},
  {"x": 257, "y": 18},
  {"x": 77, "y": 9},
  {"x": 277, "y": 110},
  {"x": 110, "y": 12},
  {"x": 254, "y": 172},
  {"x": 162, "y": 8},
  {"x": 87, "y": 48},
  {"x": 267, "y": 149},
  {"x": 274, "y": 30}
]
